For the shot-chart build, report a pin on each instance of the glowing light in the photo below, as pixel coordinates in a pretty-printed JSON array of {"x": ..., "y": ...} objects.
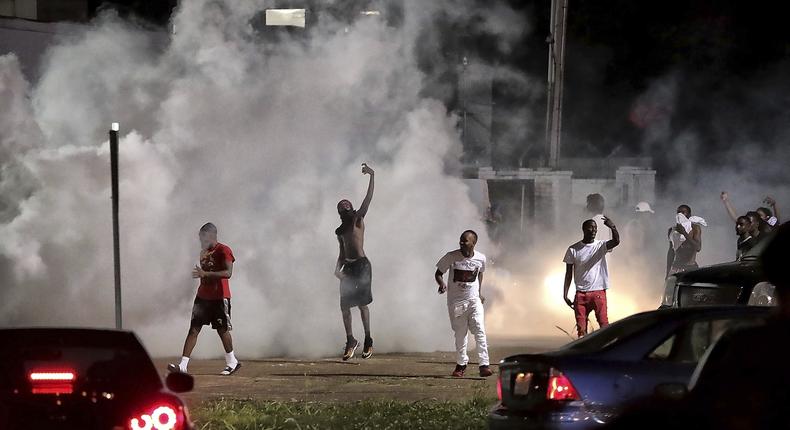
[
  {"x": 162, "y": 418},
  {"x": 52, "y": 376}
]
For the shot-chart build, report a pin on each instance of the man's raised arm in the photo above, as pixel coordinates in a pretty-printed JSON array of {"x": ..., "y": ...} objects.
[
  {"x": 363, "y": 209},
  {"x": 610, "y": 244}
]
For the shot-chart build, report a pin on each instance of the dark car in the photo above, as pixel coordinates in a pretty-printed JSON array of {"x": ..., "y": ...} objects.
[
  {"x": 56, "y": 378},
  {"x": 586, "y": 383},
  {"x": 735, "y": 283}
]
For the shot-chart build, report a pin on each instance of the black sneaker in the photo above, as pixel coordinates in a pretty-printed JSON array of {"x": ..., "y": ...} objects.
[
  {"x": 351, "y": 346},
  {"x": 459, "y": 371},
  {"x": 367, "y": 352},
  {"x": 173, "y": 368},
  {"x": 227, "y": 371}
]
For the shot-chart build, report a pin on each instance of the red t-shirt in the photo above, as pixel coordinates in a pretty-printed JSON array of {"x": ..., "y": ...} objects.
[{"x": 214, "y": 260}]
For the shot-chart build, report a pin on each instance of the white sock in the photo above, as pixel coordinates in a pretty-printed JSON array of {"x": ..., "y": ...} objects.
[
  {"x": 183, "y": 364},
  {"x": 230, "y": 359}
]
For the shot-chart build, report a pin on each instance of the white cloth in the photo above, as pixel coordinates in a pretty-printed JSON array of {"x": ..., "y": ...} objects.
[
  {"x": 465, "y": 317},
  {"x": 604, "y": 233},
  {"x": 589, "y": 265},
  {"x": 676, "y": 238},
  {"x": 463, "y": 283}
]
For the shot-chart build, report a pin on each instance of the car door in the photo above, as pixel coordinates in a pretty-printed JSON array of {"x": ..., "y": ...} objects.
[{"x": 674, "y": 357}]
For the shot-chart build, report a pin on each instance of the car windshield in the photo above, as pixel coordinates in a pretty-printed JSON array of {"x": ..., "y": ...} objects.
[
  {"x": 105, "y": 361},
  {"x": 613, "y": 333}
]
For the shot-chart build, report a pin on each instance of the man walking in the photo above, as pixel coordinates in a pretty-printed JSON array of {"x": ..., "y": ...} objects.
[
  {"x": 353, "y": 269},
  {"x": 465, "y": 300},
  {"x": 212, "y": 303},
  {"x": 586, "y": 266}
]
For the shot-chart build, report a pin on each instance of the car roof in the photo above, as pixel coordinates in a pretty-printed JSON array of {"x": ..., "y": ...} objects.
[
  {"x": 99, "y": 337},
  {"x": 724, "y": 273},
  {"x": 660, "y": 317}
]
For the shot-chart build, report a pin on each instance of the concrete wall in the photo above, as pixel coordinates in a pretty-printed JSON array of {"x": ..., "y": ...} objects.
[{"x": 45, "y": 10}]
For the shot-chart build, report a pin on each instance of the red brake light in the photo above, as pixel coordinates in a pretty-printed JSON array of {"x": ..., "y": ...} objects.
[
  {"x": 52, "y": 381},
  {"x": 162, "y": 416},
  {"x": 499, "y": 387},
  {"x": 560, "y": 387}
]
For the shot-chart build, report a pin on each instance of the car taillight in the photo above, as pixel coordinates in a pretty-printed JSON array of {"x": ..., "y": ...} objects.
[
  {"x": 560, "y": 387},
  {"x": 162, "y": 416},
  {"x": 52, "y": 381},
  {"x": 499, "y": 387}
]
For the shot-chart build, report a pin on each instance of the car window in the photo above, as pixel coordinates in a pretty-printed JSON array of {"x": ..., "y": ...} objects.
[
  {"x": 689, "y": 343},
  {"x": 662, "y": 351}
]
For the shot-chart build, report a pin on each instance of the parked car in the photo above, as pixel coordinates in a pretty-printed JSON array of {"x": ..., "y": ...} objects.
[
  {"x": 586, "y": 383},
  {"x": 735, "y": 283},
  {"x": 60, "y": 378}
]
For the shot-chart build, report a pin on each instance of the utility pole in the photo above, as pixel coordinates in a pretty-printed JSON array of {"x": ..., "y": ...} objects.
[
  {"x": 115, "y": 233},
  {"x": 556, "y": 73}
]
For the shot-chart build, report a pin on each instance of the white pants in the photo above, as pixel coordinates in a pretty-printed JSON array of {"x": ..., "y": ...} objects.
[{"x": 468, "y": 317}]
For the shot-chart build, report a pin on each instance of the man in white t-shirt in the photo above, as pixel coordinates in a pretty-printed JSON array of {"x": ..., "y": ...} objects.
[
  {"x": 464, "y": 300},
  {"x": 586, "y": 266}
]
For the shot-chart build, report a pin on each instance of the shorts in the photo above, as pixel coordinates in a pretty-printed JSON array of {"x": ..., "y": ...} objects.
[
  {"x": 214, "y": 312},
  {"x": 355, "y": 285}
]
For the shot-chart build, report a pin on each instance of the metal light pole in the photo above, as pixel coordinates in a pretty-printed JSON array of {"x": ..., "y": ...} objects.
[
  {"x": 115, "y": 233},
  {"x": 556, "y": 73}
]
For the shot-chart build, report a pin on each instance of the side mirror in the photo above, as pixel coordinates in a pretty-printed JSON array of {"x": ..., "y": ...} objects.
[
  {"x": 671, "y": 391},
  {"x": 179, "y": 382}
]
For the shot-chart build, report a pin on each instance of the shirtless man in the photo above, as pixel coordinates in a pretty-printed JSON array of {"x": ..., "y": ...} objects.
[{"x": 353, "y": 269}]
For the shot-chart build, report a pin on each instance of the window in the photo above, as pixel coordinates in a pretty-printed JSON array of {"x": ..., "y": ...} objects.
[
  {"x": 663, "y": 350},
  {"x": 689, "y": 343}
]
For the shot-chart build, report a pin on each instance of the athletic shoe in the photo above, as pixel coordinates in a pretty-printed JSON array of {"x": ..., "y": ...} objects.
[
  {"x": 367, "y": 352},
  {"x": 485, "y": 371},
  {"x": 459, "y": 370},
  {"x": 173, "y": 368},
  {"x": 227, "y": 371},
  {"x": 351, "y": 346}
]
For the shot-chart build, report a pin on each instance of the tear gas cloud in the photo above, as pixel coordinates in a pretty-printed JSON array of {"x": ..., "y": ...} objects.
[{"x": 261, "y": 138}]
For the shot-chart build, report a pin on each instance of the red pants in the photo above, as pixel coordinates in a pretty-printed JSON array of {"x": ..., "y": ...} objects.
[{"x": 584, "y": 303}]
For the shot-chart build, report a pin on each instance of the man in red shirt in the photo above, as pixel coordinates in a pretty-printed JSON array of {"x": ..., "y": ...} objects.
[{"x": 212, "y": 303}]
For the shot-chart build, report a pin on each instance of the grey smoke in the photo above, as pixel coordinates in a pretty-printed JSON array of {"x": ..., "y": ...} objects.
[{"x": 261, "y": 139}]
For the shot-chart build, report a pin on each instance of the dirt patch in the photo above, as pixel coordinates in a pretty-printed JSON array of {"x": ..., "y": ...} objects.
[{"x": 403, "y": 376}]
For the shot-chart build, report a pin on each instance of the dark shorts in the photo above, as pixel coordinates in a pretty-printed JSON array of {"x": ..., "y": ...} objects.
[
  {"x": 355, "y": 286},
  {"x": 214, "y": 312}
]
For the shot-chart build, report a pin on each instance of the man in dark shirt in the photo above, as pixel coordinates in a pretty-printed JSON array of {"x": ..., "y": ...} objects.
[{"x": 745, "y": 241}]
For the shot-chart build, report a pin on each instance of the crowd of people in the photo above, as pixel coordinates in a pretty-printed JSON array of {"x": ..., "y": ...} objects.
[{"x": 585, "y": 260}]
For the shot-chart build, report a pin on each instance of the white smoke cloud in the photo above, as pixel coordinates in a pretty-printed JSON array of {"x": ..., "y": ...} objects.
[{"x": 261, "y": 138}]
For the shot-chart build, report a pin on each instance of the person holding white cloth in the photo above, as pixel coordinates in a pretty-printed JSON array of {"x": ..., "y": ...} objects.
[
  {"x": 685, "y": 241},
  {"x": 464, "y": 300}
]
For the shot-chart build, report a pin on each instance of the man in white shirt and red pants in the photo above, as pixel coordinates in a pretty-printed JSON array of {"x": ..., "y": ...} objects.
[{"x": 586, "y": 266}]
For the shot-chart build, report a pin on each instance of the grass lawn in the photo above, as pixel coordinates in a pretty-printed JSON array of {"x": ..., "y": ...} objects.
[{"x": 365, "y": 414}]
